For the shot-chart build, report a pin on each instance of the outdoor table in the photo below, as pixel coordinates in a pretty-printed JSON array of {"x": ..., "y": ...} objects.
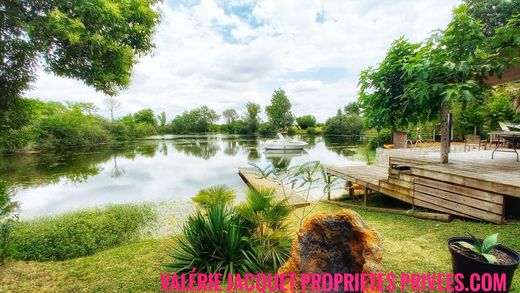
[{"x": 510, "y": 138}]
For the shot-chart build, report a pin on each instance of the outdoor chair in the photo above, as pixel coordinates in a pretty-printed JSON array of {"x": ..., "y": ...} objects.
[{"x": 474, "y": 141}]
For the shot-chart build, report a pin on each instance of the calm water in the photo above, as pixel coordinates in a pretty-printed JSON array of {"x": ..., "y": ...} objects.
[{"x": 149, "y": 170}]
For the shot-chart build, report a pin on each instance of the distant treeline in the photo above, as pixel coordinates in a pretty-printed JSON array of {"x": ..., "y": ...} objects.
[{"x": 58, "y": 125}]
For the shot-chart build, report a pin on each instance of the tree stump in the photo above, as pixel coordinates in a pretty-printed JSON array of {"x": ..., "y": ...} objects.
[{"x": 335, "y": 243}]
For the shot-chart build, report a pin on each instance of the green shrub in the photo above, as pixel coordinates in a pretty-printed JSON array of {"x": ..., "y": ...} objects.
[
  {"x": 215, "y": 241},
  {"x": 79, "y": 233},
  {"x": 383, "y": 137},
  {"x": 266, "y": 129},
  {"x": 292, "y": 130},
  {"x": 214, "y": 195},
  {"x": 310, "y": 131},
  {"x": 269, "y": 238}
]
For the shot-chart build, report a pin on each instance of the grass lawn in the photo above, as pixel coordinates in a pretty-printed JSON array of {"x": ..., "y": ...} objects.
[{"x": 410, "y": 245}]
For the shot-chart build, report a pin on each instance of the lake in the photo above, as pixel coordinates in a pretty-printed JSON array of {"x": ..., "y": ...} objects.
[{"x": 163, "y": 170}]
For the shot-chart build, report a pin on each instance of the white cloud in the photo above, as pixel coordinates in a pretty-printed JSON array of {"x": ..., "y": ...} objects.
[{"x": 205, "y": 55}]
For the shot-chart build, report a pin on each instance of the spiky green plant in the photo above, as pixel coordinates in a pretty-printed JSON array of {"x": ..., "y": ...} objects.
[
  {"x": 482, "y": 247},
  {"x": 270, "y": 237},
  {"x": 215, "y": 194},
  {"x": 215, "y": 241}
]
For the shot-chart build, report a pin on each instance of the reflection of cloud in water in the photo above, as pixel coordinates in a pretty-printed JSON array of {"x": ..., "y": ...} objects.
[{"x": 154, "y": 171}]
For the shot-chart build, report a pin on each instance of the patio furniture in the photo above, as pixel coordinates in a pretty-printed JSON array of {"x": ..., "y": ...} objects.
[
  {"x": 474, "y": 141},
  {"x": 509, "y": 143}
]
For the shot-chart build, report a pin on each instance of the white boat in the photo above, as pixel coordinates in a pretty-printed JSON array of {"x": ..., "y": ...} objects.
[{"x": 283, "y": 143}]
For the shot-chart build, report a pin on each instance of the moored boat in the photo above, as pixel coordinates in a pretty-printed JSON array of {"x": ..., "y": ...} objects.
[{"x": 283, "y": 143}]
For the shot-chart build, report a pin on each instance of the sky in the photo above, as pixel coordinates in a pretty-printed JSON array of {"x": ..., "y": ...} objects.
[{"x": 225, "y": 53}]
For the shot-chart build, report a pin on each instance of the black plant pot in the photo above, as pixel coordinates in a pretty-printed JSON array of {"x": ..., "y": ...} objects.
[{"x": 466, "y": 265}]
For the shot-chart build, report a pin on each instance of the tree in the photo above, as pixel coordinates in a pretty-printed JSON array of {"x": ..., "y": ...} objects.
[
  {"x": 344, "y": 124},
  {"x": 97, "y": 42},
  {"x": 306, "y": 121},
  {"x": 162, "y": 122},
  {"x": 492, "y": 13},
  {"x": 193, "y": 121},
  {"x": 230, "y": 115},
  {"x": 251, "y": 116},
  {"x": 353, "y": 108},
  {"x": 94, "y": 42},
  {"x": 145, "y": 116},
  {"x": 417, "y": 81},
  {"x": 112, "y": 104},
  {"x": 279, "y": 112}
]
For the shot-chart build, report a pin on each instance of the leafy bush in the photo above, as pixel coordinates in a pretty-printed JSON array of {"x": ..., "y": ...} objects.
[
  {"x": 266, "y": 129},
  {"x": 344, "y": 124},
  {"x": 310, "y": 131},
  {"x": 79, "y": 233},
  {"x": 215, "y": 240},
  {"x": 292, "y": 130},
  {"x": 306, "y": 121},
  {"x": 214, "y": 195},
  {"x": 383, "y": 137}
]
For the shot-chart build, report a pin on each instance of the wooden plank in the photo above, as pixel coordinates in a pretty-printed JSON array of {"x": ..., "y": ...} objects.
[
  {"x": 397, "y": 195},
  {"x": 253, "y": 179},
  {"x": 411, "y": 213},
  {"x": 478, "y": 183},
  {"x": 479, "y": 204},
  {"x": 394, "y": 187},
  {"x": 424, "y": 204},
  {"x": 471, "y": 192},
  {"x": 463, "y": 209},
  {"x": 402, "y": 183}
]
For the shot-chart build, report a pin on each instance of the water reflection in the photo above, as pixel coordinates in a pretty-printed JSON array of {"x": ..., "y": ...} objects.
[{"x": 149, "y": 170}]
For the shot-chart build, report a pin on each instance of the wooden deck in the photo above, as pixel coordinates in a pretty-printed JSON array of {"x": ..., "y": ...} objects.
[
  {"x": 253, "y": 179},
  {"x": 471, "y": 185}
]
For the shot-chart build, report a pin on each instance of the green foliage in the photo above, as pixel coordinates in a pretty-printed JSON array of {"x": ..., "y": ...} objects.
[
  {"x": 230, "y": 115},
  {"x": 93, "y": 41},
  {"x": 344, "y": 124},
  {"x": 382, "y": 137},
  {"x": 8, "y": 217},
  {"x": 382, "y": 88},
  {"x": 492, "y": 13},
  {"x": 193, "y": 121},
  {"x": 353, "y": 108},
  {"x": 145, "y": 116},
  {"x": 279, "y": 111},
  {"x": 482, "y": 248},
  {"x": 79, "y": 233},
  {"x": 219, "y": 194},
  {"x": 266, "y": 216},
  {"x": 14, "y": 120},
  {"x": 311, "y": 131},
  {"x": 215, "y": 241},
  {"x": 267, "y": 129},
  {"x": 251, "y": 118},
  {"x": 306, "y": 121},
  {"x": 413, "y": 80},
  {"x": 71, "y": 127}
]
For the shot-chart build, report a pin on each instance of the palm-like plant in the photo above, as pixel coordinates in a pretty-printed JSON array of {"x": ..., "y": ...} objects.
[
  {"x": 215, "y": 240},
  {"x": 266, "y": 216},
  {"x": 213, "y": 195}
]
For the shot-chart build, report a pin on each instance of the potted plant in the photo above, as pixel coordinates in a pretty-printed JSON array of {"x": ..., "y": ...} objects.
[{"x": 471, "y": 255}]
